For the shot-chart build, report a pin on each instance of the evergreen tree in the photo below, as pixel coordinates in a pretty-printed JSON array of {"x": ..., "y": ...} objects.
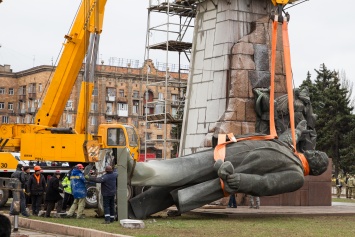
[{"x": 331, "y": 104}]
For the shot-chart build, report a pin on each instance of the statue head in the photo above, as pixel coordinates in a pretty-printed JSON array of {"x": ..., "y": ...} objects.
[{"x": 317, "y": 160}]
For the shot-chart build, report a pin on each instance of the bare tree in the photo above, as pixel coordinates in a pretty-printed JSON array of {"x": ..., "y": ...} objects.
[{"x": 349, "y": 85}]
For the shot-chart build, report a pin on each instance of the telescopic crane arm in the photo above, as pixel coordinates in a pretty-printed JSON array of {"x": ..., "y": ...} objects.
[{"x": 88, "y": 20}]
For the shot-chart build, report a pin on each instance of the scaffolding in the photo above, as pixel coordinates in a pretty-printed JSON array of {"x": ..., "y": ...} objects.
[{"x": 176, "y": 27}]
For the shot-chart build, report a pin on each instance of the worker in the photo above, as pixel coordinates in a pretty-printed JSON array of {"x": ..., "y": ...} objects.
[
  {"x": 78, "y": 187},
  {"x": 54, "y": 189},
  {"x": 108, "y": 190},
  {"x": 68, "y": 196},
  {"x": 37, "y": 187},
  {"x": 27, "y": 172},
  {"x": 20, "y": 175},
  {"x": 257, "y": 202}
]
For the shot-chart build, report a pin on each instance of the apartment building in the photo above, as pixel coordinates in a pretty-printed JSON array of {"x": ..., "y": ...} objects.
[{"x": 121, "y": 95}]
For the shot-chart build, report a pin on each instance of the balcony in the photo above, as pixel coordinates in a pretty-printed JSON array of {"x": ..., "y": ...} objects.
[
  {"x": 21, "y": 97},
  {"x": 22, "y": 111},
  {"x": 31, "y": 110},
  {"x": 110, "y": 113},
  {"x": 32, "y": 95},
  {"x": 122, "y": 99},
  {"x": 110, "y": 98}
]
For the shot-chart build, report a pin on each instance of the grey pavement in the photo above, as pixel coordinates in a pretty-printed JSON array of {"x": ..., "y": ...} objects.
[{"x": 337, "y": 208}]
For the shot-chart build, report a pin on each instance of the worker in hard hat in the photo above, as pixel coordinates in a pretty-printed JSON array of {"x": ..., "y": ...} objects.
[
  {"x": 37, "y": 187},
  {"x": 78, "y": 187}
]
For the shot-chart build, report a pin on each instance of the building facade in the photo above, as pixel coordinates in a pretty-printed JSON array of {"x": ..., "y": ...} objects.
[{"x": 121, "y": 95}]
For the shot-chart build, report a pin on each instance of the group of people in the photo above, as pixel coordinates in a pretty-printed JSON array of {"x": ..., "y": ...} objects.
[
  {"x": 232, "y": 203},
  {"x": 348, "y": 182},
  {"x": 71, "y": 191},
  {"x": 35, "y": 189}
]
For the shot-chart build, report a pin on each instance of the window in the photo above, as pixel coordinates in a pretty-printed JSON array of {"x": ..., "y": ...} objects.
[
  {"x": 40, "y": 87},
  {"x": 11, "y": 91},
  {"x": 2, "y": 105},
  {"x": 159, "y": 136},
  {"x": 5, "y": 119},
  {"x": 10, "y": 106},
  {"x": 135, "y": 106},
  {"x": 122, "y": 106},
  {"x": 174, "y": 112},
  {"x": 93, "y": 107},
  {"x": 69, "y": 118},
  {"x": 160, "y": 96},
  {"x": 149, "y": 135},
  {"x": 93, "y": 121},
  {"x": 32, "y": 88},
  {"x": 22, "y": 90},
  {"x": 2, "y": 90},
  {"x": 135, "y": 94},
  {"x": 95, "y": 92},
  {"x": 175, "y": 99},
  {"x": 109, "y": 108},
  {"x": 111, "y": 91},
  {"x": 69, "y": 105},
  {"x": 148, "y": 125},
  {"x": 116, "y": 137},
  {"x": 159, "y": 125},
  {"x": 121, "y": 93}
]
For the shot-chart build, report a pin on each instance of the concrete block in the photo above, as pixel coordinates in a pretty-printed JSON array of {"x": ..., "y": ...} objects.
[
  {"x": 258, "y": 36},
  {"x": 212, "y": 112},
  {"x": 220, "y": 63},
  {"x": 241, "y": 61},
  {"x": 222, "y": 49},
  {"x": 202, "y": 128},
  {"x": 240, "y": 84},
  {"x": 261, "y": 57},
  {"x": 200, "y": 90},
  {"x": 132, "y": 224},
  {"x": 209, "y": 15},
  {"x": 199, "y": 57},
  {"x": 209, "y": 25},
  {"x": 219, "y": 85},
  {"x": 192, "y": 121},
  {"x": 210, "y": 36},
  {"x": 201, "y": 115},
  {"x": 259, "y": 78},
  {"x": 201, "y": 41},
  {"x": 223, "y": 32},
  {"x": 243, "y": 48}
]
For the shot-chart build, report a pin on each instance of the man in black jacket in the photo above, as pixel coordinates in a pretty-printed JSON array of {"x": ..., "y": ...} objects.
[
  {"x": 37, "y": 187},
  {"x": 19, "y": 174},
  {"x": 108, "y": 190},
  {"x": 53, "y": 194}
]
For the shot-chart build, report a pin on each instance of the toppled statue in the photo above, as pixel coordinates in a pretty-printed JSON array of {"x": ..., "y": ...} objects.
[{"x": 258, "y": 168}]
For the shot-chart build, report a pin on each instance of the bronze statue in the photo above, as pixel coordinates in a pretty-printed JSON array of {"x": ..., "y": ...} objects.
[{"x": 259, "y": 168}]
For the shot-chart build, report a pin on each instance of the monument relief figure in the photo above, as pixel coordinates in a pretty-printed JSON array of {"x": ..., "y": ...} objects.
[{"x": 256, "y": 167}]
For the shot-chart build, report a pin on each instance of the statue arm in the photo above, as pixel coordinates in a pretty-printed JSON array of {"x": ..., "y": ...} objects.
[{"x": 265, "y": 185}]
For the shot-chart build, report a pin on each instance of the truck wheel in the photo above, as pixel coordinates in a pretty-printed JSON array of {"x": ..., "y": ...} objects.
[
  {"x": 91, "y": 197},
  {"x": 4, "y": 196}
]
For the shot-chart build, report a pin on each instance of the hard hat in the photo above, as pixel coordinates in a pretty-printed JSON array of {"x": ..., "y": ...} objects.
[
  {"x": 79, "y": 166},
  {"x": 37, "y": 168},
  {"x": 57, "y": 172}
]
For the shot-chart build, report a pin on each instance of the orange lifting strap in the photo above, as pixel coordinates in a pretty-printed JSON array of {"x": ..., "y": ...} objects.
[{"x": 220, "y": 149}]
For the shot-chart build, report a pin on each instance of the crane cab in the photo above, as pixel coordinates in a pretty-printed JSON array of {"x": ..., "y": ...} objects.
[{"x": 119, "y": 136}]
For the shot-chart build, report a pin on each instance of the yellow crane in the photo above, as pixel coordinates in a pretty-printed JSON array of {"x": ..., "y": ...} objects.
[{"x": 43, "y": 140}]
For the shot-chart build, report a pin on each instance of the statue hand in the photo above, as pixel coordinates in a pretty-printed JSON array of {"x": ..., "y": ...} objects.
[{"x": 225, "y": 169}]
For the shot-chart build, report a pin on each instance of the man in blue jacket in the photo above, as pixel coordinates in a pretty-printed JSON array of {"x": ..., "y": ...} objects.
[
  {"x": 77, "y": 182},
  {"x": 108, "y": 190}
]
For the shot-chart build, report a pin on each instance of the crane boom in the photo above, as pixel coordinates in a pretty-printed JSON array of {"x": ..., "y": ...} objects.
[{"x": 88, "y": 20}]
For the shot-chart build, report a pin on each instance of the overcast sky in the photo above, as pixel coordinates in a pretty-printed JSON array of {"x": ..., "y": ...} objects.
[{"x": 321, "y": 31}]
